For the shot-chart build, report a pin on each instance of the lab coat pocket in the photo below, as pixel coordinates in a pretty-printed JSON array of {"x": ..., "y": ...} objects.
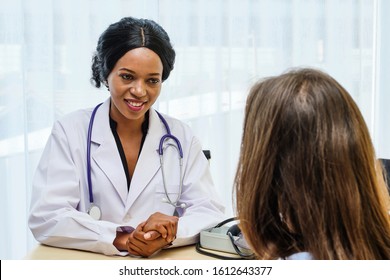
[{"x": 164, "y": 197}]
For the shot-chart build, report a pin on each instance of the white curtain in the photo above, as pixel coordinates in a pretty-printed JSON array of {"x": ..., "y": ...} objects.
[{"x": 222, "y": 47}]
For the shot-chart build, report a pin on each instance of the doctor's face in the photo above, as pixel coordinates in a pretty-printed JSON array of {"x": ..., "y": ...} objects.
[{"x": 135, "y": 84}]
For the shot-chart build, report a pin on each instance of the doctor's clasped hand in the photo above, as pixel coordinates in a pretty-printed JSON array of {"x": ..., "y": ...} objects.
[
  {"x": 150, "y": 236},
  {"x": 122, "y": 178}
]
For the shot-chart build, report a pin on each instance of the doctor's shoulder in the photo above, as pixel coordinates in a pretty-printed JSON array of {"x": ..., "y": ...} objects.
[
  {"x": 189, "y": 140},
  {"x": 179, "y": 127},
  {"x": 75, "y": 122},
  {"x": 183, "y": 132}
]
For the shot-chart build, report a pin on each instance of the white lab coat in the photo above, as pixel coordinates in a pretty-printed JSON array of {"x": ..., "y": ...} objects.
[{"x": 60, "y": 197}]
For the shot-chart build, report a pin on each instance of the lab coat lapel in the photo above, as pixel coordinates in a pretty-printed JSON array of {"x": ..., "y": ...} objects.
[
  {"x": 106, "y": 155},
  {"x": 148, "y": 162}
]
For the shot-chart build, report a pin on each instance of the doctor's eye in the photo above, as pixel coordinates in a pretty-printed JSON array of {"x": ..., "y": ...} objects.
[
  {"x": 154, "y": 81},
  {"x": 126, "y": 77}
]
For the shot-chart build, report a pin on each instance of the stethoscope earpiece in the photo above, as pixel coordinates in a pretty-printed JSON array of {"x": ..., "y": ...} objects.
[
  {"x": 183, "y": 205},
  {"x": 176, "y": 205}
]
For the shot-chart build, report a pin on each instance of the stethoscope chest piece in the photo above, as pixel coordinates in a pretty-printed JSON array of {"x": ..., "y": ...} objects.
[{"x": 95, "y": 212}]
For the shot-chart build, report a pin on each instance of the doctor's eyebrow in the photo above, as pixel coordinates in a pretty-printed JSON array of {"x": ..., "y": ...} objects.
[{"x": 134, "y": 73}]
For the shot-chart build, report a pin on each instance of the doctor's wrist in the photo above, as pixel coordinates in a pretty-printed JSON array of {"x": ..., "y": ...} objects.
[{"x": 122, "y": 235}]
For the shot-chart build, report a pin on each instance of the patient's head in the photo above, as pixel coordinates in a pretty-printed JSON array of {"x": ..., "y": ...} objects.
[{"x": 307, "y": 178}]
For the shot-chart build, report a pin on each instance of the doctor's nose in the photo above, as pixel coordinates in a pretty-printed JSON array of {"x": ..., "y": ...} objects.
[{"x": 138, "y": 89}]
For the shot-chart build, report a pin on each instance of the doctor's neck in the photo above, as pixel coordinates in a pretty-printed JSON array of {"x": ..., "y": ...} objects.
[{"x": 127, "y": 125}]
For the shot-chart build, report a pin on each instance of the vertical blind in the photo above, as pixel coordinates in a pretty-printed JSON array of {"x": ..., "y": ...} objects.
[{"x": 223, "y": 47}]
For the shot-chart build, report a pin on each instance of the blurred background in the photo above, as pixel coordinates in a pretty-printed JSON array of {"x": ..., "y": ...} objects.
[{"x": 223, "y": 47}]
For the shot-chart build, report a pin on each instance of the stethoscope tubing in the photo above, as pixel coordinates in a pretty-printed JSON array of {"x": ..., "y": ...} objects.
[
  {"x": 175, "y": 202},
  {"x": 165, "y": 137},
  {"x": 89, "y": 140}
]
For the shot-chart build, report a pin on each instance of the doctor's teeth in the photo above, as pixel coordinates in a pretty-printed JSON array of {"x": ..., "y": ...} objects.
[{"x": 136, "y": 104}]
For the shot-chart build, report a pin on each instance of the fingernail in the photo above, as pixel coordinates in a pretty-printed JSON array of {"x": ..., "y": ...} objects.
[{"x": 147, "y": 235}]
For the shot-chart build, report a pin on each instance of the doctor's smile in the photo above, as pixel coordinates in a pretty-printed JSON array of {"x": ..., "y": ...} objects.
[{"x": 135, "y": 105}]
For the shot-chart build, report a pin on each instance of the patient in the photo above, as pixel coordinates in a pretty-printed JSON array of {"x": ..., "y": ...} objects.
[{"x": 308, "y": 185}]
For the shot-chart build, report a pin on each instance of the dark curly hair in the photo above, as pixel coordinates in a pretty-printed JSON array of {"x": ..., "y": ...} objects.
[{"x": 127, "y": 34}]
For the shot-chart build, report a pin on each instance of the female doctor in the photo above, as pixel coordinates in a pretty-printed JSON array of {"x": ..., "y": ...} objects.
[{"x": 121, "y": 178}]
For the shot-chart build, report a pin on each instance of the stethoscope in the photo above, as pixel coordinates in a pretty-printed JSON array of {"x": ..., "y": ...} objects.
[{"x": 94, "y": 210}]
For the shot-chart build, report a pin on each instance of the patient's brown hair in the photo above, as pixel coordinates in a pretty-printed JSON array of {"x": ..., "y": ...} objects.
[{"x": 308, "y": 179}]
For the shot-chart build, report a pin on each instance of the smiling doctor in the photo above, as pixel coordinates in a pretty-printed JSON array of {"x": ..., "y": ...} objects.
[{"x": 121, "y": 178}]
